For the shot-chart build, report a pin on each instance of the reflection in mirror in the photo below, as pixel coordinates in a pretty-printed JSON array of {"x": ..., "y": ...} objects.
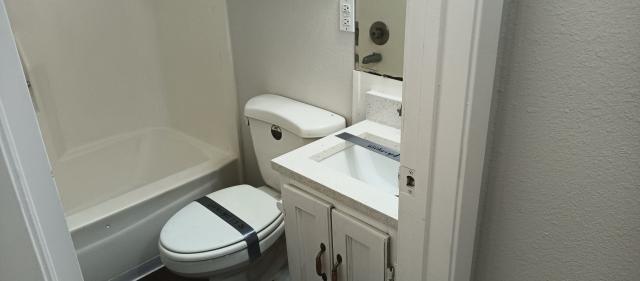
[{"x": 380, "y": 36}]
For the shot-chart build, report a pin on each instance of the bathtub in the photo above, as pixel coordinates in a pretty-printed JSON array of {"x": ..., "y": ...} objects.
[{"x": 119, "y": 192}]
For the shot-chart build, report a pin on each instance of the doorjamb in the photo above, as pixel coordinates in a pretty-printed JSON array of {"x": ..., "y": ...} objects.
[{"x": 450, "y": 55}]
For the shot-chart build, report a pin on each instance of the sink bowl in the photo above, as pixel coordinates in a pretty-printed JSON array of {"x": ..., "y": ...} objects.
[{"x": 367, "y": 166}]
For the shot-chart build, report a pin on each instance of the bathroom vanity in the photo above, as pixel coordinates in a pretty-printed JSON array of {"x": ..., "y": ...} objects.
[{"x": 339, "y": 195}]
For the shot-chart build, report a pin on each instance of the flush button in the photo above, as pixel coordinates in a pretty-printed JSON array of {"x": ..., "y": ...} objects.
[{"x": 276, "y": 132}]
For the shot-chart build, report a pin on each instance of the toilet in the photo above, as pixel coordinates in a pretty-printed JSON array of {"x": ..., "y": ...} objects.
[{"x": 236, "y": 233}]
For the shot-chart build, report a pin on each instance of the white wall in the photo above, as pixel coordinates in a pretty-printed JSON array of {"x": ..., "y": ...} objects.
[
  {"x": 106, "y": 67},
  {"x": 292, "y": 48},
  {"x": 563, "y": 183}
]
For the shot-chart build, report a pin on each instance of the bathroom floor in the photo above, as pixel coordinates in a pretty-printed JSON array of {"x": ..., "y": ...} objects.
[{"x": 163, "y": 274}]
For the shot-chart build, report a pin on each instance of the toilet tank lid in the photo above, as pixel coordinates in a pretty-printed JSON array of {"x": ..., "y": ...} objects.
[{"x": 304, "y": 120}]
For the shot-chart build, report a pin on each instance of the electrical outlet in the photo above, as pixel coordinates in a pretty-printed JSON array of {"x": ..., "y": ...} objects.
[
  {"x": 347, "y": 16},
  {"x": 346, "y": 8}
]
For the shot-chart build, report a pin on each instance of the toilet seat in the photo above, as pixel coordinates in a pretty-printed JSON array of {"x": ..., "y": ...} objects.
[
  {"x": 195, "y": 266},
  {"x": 196, "y": 239}
]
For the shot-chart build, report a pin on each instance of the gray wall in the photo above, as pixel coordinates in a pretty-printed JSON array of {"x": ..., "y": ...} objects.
[
  {"x": 18, "y": 260},
  {"x": 292, "y": 48},
  {"x": 562, "y": 186}
]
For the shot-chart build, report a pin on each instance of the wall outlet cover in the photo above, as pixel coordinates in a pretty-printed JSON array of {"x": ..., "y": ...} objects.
[{"x": 347, "y": 15}]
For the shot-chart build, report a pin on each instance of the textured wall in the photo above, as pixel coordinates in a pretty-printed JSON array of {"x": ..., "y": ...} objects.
[
  {"x": 562, "y": 197},
  {"x": 292, "y": 48}
]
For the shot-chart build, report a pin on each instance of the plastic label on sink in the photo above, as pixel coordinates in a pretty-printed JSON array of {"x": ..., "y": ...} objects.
[{"x": 371, "y": 146}]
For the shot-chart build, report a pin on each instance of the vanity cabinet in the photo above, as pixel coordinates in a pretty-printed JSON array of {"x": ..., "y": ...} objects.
[
  {"x": 308, "y": 230},
  {"x": 328, "y": 244},
  {"x": 362, "y": 248}
]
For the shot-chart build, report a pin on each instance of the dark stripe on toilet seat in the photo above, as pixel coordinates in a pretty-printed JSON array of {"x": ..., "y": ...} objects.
[{"x": 250, "y": 236}]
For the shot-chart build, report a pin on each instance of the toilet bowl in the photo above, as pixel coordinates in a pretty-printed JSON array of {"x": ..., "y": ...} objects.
[
  {"x": 236, "y": 233},
  {"x": 197, "y": 242}
]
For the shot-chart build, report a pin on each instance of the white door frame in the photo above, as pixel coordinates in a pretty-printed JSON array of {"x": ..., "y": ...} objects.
[
  {"x": 25, "y": 160},
  {"x": 450, "y": 55}
]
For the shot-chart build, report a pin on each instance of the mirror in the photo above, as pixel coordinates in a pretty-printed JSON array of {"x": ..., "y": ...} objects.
[{"x": 380, "y": 37}]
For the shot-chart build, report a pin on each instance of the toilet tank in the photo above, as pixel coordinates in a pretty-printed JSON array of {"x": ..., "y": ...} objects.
[{"x": 279, "y": 125}]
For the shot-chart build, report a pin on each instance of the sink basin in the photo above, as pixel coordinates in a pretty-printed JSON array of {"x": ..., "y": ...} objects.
[
  {"x": 367, "y": 166},
  {"x": 357, "y": 166}
]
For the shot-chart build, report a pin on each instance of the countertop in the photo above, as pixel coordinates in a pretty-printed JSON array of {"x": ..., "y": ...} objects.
[{"x": 302, "y": 165}]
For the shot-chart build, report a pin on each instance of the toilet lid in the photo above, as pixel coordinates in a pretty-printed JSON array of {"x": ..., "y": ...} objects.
[{"x": 196, "y": 229}]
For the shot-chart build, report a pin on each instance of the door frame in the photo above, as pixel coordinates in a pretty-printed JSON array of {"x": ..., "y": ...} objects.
[
  {"x": 450, "y": 57},
  {"x": 25, "y": 161}
]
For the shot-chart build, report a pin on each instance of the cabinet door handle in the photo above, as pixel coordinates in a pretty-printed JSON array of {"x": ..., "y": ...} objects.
[
  {"x": 323, "y": 248},
  {"x": 334, "y": 270}
]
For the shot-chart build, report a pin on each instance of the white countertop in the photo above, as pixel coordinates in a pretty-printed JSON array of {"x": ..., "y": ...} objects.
[{"x": 303, "y": 165}]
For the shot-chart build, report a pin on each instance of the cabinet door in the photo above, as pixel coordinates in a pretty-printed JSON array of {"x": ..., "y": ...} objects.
[
  {"x": 307, "y": 227},
  {"x": 363, "y": 249}
]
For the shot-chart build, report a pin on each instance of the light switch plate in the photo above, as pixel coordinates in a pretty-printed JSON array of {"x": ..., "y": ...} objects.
[{"x": 347, "y": 15}]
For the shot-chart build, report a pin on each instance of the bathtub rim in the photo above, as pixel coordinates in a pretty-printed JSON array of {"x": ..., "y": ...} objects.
[{"x": 136, "y": 196}]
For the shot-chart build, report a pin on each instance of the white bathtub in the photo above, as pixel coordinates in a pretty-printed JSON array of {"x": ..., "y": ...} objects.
[{"x": 119, "y": 192}]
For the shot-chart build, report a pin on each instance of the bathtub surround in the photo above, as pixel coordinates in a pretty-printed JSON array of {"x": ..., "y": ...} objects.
[
  {"x": 562, "y": 186},
  {"x": 294, "y": 49},
  {"x": 106, "y": 68},
  {"x": 138, "y": 109}
]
